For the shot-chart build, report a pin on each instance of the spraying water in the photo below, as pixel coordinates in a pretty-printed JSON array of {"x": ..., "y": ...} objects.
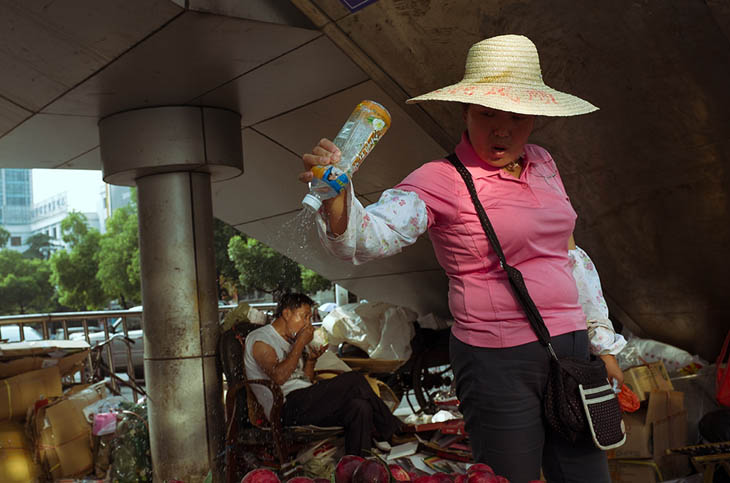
[{"x": 298, "y": 230}]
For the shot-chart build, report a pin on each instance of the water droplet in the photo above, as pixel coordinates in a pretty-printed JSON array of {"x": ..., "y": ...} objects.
[{"x": 297, "y": 231}]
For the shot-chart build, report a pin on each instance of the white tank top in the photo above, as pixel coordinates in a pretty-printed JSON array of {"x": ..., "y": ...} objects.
[{"x": 269, "y": 336}]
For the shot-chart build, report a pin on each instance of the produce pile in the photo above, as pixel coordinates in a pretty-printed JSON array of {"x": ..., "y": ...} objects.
[{"x": 355, "y": 469}]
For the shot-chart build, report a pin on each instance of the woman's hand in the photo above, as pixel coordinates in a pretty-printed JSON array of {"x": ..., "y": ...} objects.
[
  {"x": 324, "y": 153},
  {"x": 335, "y": 209},
  {"x": 612, "y": 369}
]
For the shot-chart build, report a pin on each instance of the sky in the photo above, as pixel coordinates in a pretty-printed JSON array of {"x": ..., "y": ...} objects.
[{"x": 83, "y": 186}]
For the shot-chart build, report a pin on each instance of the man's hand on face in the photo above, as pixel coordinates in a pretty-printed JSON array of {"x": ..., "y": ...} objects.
[{"x": 305, "y": 335}]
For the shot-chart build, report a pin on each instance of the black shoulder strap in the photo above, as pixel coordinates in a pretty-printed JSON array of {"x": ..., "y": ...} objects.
[{"x": 515, "y": 276}]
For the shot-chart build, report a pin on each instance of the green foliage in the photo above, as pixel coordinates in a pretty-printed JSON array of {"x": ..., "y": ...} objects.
[
  {"x": 118, "y": 257},
  {"x": 226, "y": 273},
  {"x": 40, "y": 246},
  {"x": 74, "y": 271},
  {"x": 312, "y": 282},
  {"x": 25, "y": 285},
  {"x": 4, "y": 237},
  {"x": 264, "y": 269},
  {"x": 74, "y": 228}
]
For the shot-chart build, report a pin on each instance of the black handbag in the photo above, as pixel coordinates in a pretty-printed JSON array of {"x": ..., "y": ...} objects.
[{"x": 579, "y": 402}]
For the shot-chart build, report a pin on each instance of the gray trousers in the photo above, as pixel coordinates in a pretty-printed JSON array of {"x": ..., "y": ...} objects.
[{"x": 500, "y": 393}]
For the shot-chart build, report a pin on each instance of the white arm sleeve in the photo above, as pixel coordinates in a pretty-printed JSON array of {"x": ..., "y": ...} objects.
[
  {"x": 382, "y": 229},
  {"x": 604, "y": 340}
]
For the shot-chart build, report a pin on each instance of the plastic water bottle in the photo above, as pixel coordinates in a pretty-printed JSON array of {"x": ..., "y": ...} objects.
[{"x": 357, "y": 137}]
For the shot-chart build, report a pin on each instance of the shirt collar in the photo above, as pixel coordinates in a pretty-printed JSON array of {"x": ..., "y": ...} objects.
[{"x": 474, "y": 164}]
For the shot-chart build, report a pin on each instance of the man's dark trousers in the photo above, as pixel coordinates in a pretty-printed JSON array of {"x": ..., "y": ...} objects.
[{"x": 346, "y": 400}]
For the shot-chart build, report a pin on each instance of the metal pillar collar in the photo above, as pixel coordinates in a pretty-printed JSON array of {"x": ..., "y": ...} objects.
[{"x": 164, "y": 139}]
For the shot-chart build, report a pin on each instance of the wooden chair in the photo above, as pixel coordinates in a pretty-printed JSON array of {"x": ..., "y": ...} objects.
[
  {"x": 707, "y": 458},
  {"x": 242, "y": 408}
]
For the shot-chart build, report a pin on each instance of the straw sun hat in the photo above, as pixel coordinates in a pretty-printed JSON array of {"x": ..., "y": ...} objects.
[{"x": 504, "y": 73}]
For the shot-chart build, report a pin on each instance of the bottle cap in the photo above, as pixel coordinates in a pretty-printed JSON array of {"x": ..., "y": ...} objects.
[{"x": 312, "y": 202}]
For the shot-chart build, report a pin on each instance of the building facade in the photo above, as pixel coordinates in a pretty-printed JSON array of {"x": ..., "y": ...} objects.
[
  {"x": 22, "y": 218},
  {"x": 111, "y": 197},
  {"x": 16, "y": 196}
]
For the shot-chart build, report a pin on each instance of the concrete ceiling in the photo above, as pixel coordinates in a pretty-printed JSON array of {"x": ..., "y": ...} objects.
[{"x": 647, "y": 173}]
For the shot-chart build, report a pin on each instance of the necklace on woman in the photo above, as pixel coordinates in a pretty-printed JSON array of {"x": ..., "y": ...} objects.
[{"x": 513, "y": 165}]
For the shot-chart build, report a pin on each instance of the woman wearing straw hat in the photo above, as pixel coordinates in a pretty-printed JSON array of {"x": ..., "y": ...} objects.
[{"x": 500, "y": 368}]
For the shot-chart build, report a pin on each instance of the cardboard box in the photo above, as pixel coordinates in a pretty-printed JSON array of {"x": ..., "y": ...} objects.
[
  {"x": 638, "y": 437},
  {"x": 62, "y": 434},
  {"x": 16, "y": 458},
  {"x": 644, "y": 379},
  {"x": 67, "y": 363},
  {"x": 633, "y": 471},
  {"x": 18, "y": 393},
  {"x": 40, "y": 347},
  {"x": 653, "y": 429}
]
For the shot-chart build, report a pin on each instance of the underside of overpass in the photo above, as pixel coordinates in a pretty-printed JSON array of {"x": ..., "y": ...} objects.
[{"x": 647, "y": 173}]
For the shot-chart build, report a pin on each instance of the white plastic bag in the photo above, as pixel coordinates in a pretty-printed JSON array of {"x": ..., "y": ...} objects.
[
  {"x": 382, "y": 330},
  {"x": 640, "y": 351},
  {"x": 320, "y": 338}
]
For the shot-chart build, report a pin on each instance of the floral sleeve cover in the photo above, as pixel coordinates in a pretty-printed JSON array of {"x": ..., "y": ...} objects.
[
  {"x": 604, "y": 340},
  {"x": 378, "y": 231}
]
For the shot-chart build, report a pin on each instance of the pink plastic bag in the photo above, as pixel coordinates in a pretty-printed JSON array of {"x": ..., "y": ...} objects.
[{"x": 104, "y": 423}]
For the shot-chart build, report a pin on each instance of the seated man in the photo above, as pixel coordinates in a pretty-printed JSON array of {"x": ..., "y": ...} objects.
[{"x": 278, "y": 351}]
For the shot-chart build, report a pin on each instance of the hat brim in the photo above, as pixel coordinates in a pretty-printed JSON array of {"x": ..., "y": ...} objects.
[{"x": 520, "y": 99}]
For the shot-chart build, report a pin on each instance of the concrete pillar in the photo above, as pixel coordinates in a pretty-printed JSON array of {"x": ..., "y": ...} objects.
[
  {"x": 341, "y": 295},
  {"x": 171, "y": 154}
]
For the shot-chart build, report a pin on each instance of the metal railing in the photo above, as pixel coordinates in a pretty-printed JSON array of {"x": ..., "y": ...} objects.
[{"x": 60, "y": 326}]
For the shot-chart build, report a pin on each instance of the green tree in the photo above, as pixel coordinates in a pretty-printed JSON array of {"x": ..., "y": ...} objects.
[
  {"x": 119, "y": 257},
  {"x": 262, "y": 268},
  {"x": 74, "y": 270},
  {"x": 40, "y": 246},
  {"x": 225, "y": 269},
  {"x": 25, "y": 285},
  {"x": 312, "y": 282},
  {"x": 4, "y": 237}
]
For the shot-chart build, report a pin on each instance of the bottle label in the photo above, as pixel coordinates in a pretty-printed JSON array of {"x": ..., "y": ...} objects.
[
  {"x": 360, "y": 133},
  {"x": 370, "y": 142},
  {"x": 333, "y": 176}
]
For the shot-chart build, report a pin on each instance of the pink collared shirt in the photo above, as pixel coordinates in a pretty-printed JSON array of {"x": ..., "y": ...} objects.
[{"x": 532, "y": 217}]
